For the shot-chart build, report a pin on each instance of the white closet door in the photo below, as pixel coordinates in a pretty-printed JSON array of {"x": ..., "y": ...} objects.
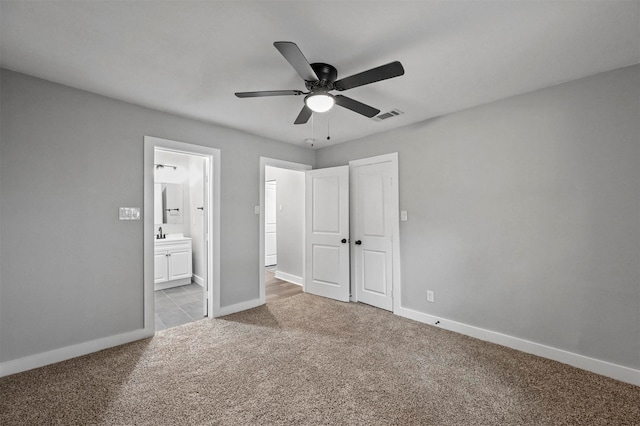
[{"x": 327, "y": 233}]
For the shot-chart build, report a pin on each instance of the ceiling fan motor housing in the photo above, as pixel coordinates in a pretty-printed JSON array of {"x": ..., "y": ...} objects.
[{"x": 326, "y": 73}]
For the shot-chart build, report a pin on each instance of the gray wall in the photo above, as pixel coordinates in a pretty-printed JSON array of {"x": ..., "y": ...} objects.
[
  {"x": 290, "y": 220},
  {"x": 524, "y": 214},
  {"x": 71, "y": 272}
]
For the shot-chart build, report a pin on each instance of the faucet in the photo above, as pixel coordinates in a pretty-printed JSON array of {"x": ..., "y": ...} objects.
[{"x": 160, "y": 236}]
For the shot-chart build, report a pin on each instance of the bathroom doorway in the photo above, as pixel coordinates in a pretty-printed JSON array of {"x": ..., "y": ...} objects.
[
  {"x": 181, "y": 233},
  {"x": 180, "y": 267}
]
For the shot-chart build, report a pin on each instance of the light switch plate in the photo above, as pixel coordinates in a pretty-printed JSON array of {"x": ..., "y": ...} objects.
[
  {"x": 403, "y": 216},
  {"x": 129, "y": 213}
]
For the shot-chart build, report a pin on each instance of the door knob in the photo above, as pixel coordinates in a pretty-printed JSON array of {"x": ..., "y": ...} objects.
[
  {"x": 344, "y": 240},
  {"x": 358, "y": 242}
]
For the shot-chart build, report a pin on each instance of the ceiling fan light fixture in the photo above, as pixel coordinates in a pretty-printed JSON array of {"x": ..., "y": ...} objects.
[{"x": 322, "y": 102}]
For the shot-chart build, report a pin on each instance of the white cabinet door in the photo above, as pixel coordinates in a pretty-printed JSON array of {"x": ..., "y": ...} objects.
[
  {"x": 172, "y": 263},
  {"x": 327, "y": 233},
  {"x": 161, "y": 266},
  {"x": 179, "y": 264}
]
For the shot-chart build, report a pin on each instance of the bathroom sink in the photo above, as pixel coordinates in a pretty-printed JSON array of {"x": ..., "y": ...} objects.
[{"x": 173, "y": 237}]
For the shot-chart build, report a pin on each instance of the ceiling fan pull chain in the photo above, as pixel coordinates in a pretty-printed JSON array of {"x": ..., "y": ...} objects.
[{"x": 328, "y": 127}]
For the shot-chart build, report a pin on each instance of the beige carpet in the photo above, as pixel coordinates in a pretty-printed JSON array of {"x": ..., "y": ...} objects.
[{"x": 306, "y": 360}]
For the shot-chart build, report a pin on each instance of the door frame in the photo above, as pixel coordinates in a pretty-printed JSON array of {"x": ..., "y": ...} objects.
[
  {"x": 396, "y": 276},
  {"x": 213, "y": 223},
  {"x": 281, "y": 164},
  {"x": 395, "y": 227}
]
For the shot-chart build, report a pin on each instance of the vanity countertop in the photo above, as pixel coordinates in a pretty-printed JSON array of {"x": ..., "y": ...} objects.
[{"x": 172, "y": 238}]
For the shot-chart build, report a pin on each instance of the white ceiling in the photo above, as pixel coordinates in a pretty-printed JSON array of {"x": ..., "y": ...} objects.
[{"x": 189, "y": 57}]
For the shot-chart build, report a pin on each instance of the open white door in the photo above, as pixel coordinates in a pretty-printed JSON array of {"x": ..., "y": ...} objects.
[
  {"x": 270, "y": 224},
  {"x": 327, "y": 233},
  {"x": 375, "y": 233}
]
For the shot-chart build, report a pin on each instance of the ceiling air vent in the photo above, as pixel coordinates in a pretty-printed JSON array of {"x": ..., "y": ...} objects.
[{"x": 387, "y": 115}]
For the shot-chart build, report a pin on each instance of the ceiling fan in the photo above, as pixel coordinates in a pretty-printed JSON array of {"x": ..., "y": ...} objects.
[{"x": 320, "y": 78}]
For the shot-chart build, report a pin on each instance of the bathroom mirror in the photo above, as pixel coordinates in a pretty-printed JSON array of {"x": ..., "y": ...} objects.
[{"x": 168, "y": 204}]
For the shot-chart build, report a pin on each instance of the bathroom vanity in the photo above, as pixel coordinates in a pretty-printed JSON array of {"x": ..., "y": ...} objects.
[{"x": 172, "y": 262}]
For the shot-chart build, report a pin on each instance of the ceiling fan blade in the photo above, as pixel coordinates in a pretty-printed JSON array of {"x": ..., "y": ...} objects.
[
  {"x": 383, "y": 72},
  {"x": 269, "y": 93},
  {"x": 304, "y": 115},
  {"x": 353, "y": 105},
  {"x": 294, "y": 56}
]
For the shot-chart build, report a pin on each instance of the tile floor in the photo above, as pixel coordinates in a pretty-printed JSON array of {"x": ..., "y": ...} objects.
[
  {"x": 184, "y": 304},
  {"x": 179, "y": 305}
]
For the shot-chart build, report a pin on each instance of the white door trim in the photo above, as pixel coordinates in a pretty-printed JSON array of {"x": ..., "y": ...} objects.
[
  {"x": 282, "y": 164},
  {"x": 395, "y": 239},
  {"x": 213, "y": 225}
]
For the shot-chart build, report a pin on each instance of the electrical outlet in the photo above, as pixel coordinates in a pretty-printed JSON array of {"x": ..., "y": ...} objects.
[{"x": 430, "y": 296}]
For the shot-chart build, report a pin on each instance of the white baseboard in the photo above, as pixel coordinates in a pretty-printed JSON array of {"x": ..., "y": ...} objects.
[
  {"x": 198, "y": 280},
  {"x": 293, "y": 279},
  {"x": 614, "y": 371},
  {"x": 618, "y": 372},
  {"x": 62, "y": 354},
  {"x": 238, "y": 307},
  {"x": 68, "y": 352},
  {"x": 174, "y": 283}
]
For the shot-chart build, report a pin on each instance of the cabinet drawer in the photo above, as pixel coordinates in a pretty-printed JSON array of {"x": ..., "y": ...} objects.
[{"x": 171, "y": 245}]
